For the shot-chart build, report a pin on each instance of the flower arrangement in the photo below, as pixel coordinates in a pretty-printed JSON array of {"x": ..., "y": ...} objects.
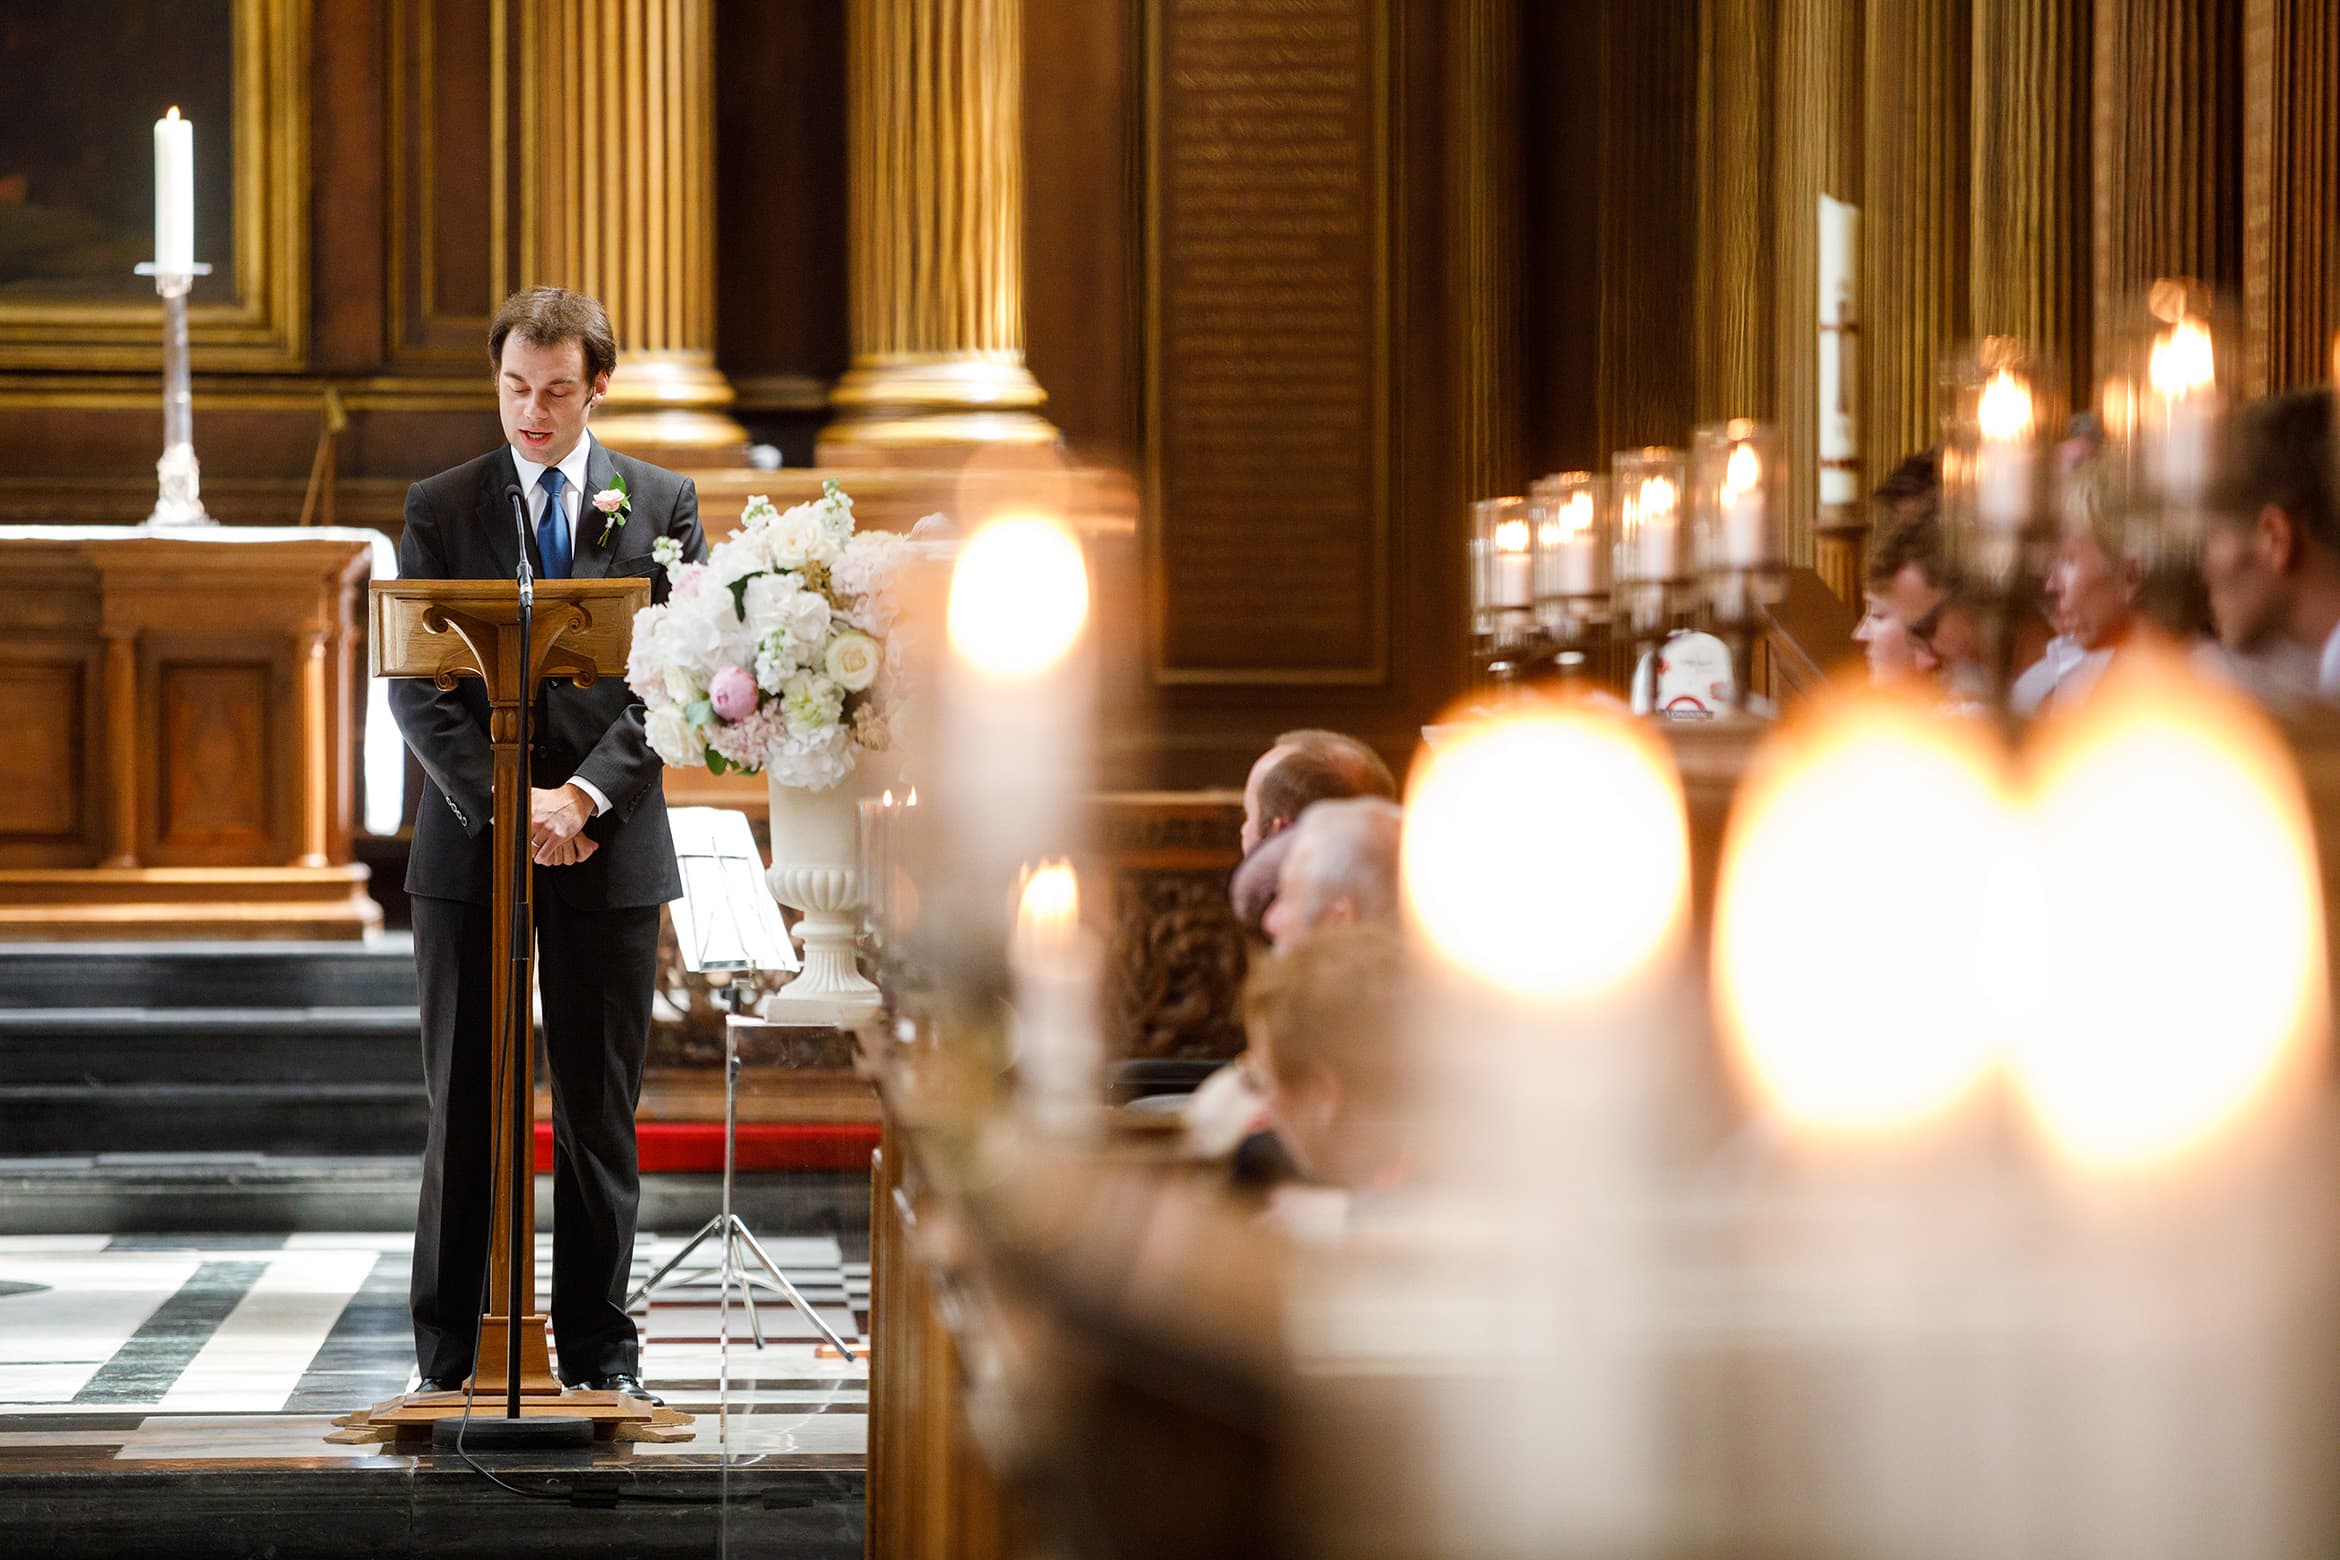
[{"x": 774, "y": 654}]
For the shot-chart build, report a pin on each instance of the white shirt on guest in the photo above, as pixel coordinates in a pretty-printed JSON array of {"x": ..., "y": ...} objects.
[
  {"x": 572, "y": 487},
  {"x": 572, "y": 501},
  {"x": 2056, "y": 662},
  {"x": 2328, "y": 667}
]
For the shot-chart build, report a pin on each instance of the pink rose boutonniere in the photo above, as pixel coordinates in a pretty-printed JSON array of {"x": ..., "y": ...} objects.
[{"x": 615, "y": 504}]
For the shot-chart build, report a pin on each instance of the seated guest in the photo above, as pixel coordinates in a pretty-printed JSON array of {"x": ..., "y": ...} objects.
[
  {"x": 1368, "y": 775},
  {"x": 2272, "y": 555},
  {"x": 1326, "y": 1023},
  {"x": 1340, "y": 868}
]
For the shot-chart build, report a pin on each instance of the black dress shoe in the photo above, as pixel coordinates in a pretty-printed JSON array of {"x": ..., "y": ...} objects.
[
  {"x": 439, "y": 1384},
  {"x": 623, "y": 1381}
]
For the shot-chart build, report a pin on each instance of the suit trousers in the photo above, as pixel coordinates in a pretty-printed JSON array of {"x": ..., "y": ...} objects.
[{"x": 595, "y": 970}]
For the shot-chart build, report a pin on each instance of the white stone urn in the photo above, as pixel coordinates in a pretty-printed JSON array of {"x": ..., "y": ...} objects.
[{"x": 816, "y": 871}]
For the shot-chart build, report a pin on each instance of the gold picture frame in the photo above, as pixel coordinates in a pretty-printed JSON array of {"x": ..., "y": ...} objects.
[{"x": 266, "y": 326}]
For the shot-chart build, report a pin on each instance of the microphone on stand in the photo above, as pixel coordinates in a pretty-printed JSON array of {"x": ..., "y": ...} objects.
[{"x": 519, "y": 498}]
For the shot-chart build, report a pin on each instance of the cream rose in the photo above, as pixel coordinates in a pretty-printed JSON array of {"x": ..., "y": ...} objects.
[{"x": 853, "y": 661}]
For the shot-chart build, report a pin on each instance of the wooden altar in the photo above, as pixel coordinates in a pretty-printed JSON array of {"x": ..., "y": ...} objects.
[{"x": 181, "y": 715}]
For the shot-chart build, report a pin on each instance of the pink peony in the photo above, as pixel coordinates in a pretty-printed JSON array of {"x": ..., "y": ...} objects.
[{"x": 733, "y": 692}]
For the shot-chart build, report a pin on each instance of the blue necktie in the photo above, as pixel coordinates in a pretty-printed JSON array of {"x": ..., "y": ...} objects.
[{"x": 552, "y": 532}]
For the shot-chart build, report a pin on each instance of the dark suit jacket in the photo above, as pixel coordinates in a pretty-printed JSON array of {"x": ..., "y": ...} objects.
[{"x": 459, "y": 527}]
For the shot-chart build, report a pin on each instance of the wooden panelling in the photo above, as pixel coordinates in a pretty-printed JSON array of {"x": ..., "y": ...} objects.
[
  {"x": 2291, "y": 169},
  {"x": 2028, "y": 233},
  {"x": 1646, "y": 352},
  {"x": 216, "y": 773},
  {"x": 449, "y": 178},
  {"x": 2166, "y": 141},
  {"x": 44, "y": 768},
  {"x": 1913, "y": 300}
]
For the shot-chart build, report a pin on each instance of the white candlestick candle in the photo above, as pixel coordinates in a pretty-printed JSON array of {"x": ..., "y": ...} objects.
[
  {"x": 174, "y": 195},
  {"x": 1514, "y": 579},
  {"x": 1742, "y": 507},
  {"x": 2003, "y": 474},
  {"x": 1657, "y": 529}
]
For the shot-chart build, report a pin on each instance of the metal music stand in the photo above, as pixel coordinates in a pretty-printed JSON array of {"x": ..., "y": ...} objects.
[{"x": 726, "y": 920}]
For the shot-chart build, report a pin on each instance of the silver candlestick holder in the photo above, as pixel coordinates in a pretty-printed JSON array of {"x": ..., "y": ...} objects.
[{"x": 179, "y": 480}]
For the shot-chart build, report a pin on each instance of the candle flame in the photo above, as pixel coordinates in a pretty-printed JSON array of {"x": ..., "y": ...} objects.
[
  {"x": 174, "y": 113},
  {"x": 1478, "y": 869},
  {"x": 888, "y": 799},
  {"x": 2005, "y": 411},
  {"x": 1657, "y": 496},
  {"x": 1800, "y": 1014},
  {"x": 1048, "y": 910},
  {"x": 1573, "y": 519},
  {"x": 1511, "y": 536},
  {"x": 2182, "y": 362},
  {"x": 2191, "y": 985},
  {"x": 1019, "y": 597},
  {"x": 913, "y": 801},
  {"x": 1741, "y": 472}
]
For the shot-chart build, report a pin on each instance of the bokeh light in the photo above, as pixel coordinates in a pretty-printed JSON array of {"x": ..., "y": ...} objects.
[{"x": 1019, "y": 597}]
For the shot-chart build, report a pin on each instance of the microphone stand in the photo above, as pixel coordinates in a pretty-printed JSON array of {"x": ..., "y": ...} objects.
[{"x": 517, "y": 1012}]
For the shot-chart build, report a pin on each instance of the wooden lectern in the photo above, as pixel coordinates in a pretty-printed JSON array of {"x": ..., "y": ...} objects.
[{"x": 447, "y": 630}]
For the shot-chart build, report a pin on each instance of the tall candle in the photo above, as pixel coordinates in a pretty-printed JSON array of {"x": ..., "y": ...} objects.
[
  {"x": 1840, "y": 225},
  {"x": 1513, "y": 564},
  {"x": 1574, "y": 562},
  {"x": 174, "y": 195},
  {"x": 1656, "y": 528},
  {"x": 2003, "y": 475},
  {"x": 1742, "y": 507}
]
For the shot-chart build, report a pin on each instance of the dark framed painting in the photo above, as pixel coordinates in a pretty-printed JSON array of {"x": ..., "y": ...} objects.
[{"x": 87, "y": 79}]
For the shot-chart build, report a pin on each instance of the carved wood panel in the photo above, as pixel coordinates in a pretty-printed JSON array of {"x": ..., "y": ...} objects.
[
  {"x": 44, "y": 761},
  {"x": 217, "y": 780}
]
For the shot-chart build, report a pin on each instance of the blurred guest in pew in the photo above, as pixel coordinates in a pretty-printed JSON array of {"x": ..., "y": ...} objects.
[
  {"x": 1339, "y": 868},
  {"x": 2272, "y": 555},
  {"x": 1301, "y": 767},
  {"x": 1325, "y": 1022}
]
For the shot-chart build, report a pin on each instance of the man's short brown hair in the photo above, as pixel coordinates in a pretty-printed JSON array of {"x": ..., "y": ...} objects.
[
  {"x": 1368, "y": 775},
  {"x": 1295, "y": 782},
  {"x": 548, "y": 316}
]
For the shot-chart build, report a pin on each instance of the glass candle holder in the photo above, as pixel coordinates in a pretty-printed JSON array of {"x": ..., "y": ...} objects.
[
  {"x": 2172, "y": 380},
  {"x": 1502, "y": 561},
  {"x": 1651, "y": 535},
  {"x": 1996, "y": 487},
  {"x": 1738, "y": 514},
  {"x": 1569, "y": 511}
]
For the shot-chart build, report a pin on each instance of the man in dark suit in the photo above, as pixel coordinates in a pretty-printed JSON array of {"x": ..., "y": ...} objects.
[{"x": 597, "y": 832}]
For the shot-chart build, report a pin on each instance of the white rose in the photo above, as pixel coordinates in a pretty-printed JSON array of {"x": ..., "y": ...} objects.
[
  {"x": 796, "y": 538},
  {"x": 671, "y": 738},
  {"x": 680, "y": 690},
  {"x": 853, "y": 661}
]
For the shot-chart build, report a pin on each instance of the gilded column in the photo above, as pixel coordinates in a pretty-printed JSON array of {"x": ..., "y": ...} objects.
[
  {"x": 1483, "y": 183},
  {"x": 1732, "y": 310},
  {"x": 2291, "y": 169},
  {"x": 2028, "y": 250},
  {"x": 2167, "y": 172},
  {"x": 1816, "y": 151},
  {"x": 1913, "y": 220},
  {"x": 935, "y": 231},
  {"x": 617, "y": 105}
]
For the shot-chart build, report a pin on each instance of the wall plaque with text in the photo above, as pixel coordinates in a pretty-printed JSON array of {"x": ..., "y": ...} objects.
[{"x": 1268, "y": 337}]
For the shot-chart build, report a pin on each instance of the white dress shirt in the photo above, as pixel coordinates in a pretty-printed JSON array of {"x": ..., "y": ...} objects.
[
  {"x": 573, "y": 497},
  {"x": 2328, "y": 667}
]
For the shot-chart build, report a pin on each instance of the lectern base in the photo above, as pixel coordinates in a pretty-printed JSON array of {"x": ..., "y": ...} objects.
[{"x": 495, "y": 1433}]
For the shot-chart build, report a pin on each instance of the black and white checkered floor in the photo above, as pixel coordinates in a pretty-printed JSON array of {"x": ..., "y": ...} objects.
[{"x": 243, "y": 1348}]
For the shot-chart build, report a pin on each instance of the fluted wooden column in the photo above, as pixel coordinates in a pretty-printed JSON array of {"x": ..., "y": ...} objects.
[
  {"x": 2167, "y": 178},
  {"x": 617, "y": 103},
  {"x": 2291, "y": 190},
  {"x": 1913, "y": 222},
  {"x": 1732, "y": 325},
  {"x": 1484, "y": 193},
  {"x": 2028, "y": 248},
  {"x": 1644, "y": 352},
  {"x": 935, "y": 235},
  {"x": 1816, "y": 150}
]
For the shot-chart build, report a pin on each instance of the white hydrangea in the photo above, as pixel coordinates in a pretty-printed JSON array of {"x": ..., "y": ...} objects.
[
  {"x": 810, "y": 702},
  {"x": 734, "y": 559},
  {"x": 766, "y": 595},
  {"x": 864, "y": 578},
  {"x": 646, "y": 657}
]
